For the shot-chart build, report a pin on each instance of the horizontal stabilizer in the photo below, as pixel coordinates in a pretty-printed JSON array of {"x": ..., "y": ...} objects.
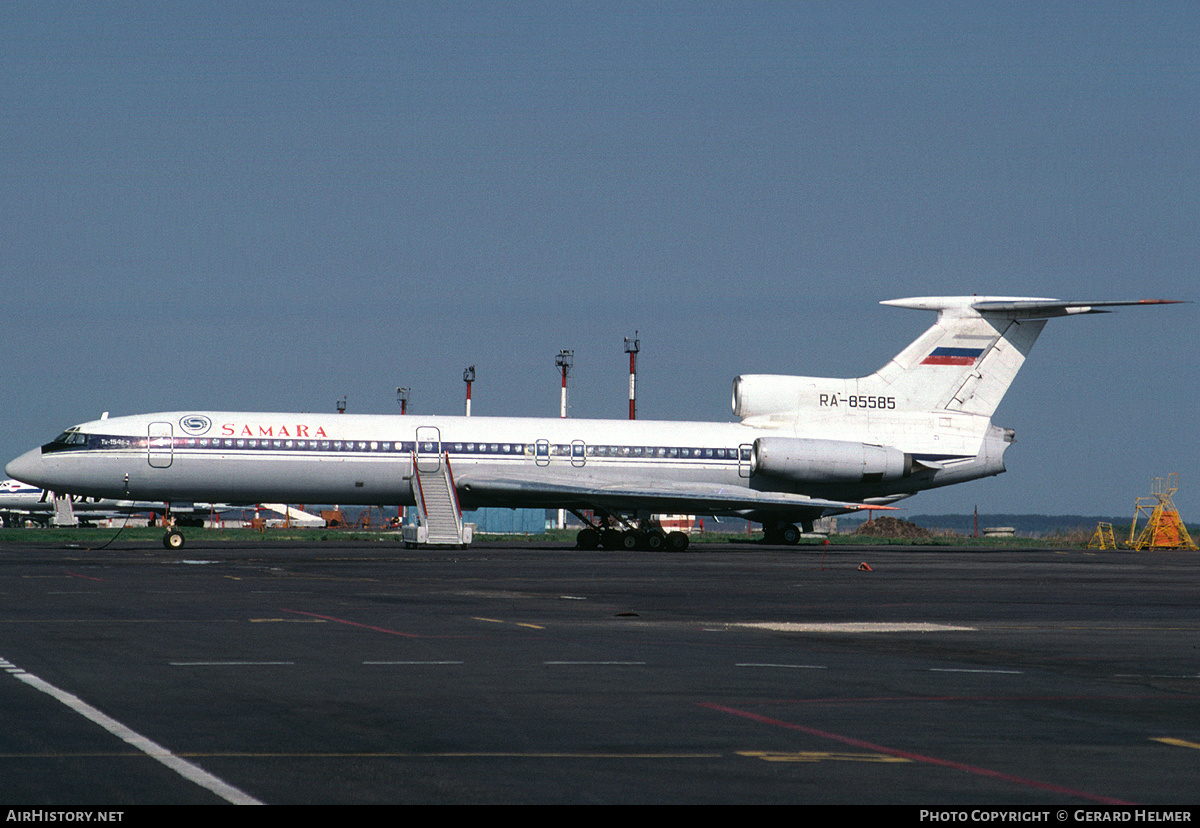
[
  {"x": 1047, "y": 308},
  {"x": 1015, "y": 307}
]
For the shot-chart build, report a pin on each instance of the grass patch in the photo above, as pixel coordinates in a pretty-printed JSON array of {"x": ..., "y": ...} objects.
[{"x": 94, "y": 536}]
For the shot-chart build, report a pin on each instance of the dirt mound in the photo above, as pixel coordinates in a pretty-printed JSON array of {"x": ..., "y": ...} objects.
[{"x": 890, "y": 527}]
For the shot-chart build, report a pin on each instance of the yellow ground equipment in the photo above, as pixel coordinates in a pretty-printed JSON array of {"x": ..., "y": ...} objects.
[
  {"x": 1103, "y": 539},
  {"x": 1164, "y": 528}
]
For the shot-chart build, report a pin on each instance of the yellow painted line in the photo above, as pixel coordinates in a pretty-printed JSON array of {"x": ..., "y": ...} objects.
[
  {"x": 501, "y": 621},
  {"x": 1166, "y": 740},
  {"x": 821, "y": 756},
  {"x": 553, "y": 755}
]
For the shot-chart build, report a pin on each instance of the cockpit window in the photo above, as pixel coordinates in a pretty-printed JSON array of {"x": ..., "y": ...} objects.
[{"x": 71, "y": 438}]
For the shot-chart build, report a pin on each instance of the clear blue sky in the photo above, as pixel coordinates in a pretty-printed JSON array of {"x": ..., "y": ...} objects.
[{"x": 267, "y": 206}]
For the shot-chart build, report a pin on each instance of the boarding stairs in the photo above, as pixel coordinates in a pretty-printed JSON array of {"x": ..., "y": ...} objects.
[
  {"x": 439, "y": 517},
  {"x": 64, "y": 511}
]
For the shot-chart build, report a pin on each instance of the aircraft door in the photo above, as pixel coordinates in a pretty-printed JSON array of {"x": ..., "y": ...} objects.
[
  {"x": 578, "y": 453},
  {"x": 160, "y": 445},
  {"x": 429, "y": 449},
  {"x": 541, "y": 452},
  {"x": 745, "y": 454}
]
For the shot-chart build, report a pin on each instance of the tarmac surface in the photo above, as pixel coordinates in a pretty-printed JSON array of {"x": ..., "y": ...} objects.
[{"x": 535, "y": 673}]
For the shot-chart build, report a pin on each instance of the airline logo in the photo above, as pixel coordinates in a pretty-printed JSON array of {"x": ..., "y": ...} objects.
[
  {"x": 952, "y": 356},
  {"x": 195, "y": 424}
]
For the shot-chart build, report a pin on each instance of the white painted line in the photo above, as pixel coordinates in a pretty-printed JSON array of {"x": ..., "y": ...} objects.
[
  {"x": 619, "y": 663},
  {"x": 964, "y": 670},
  {"x": 789, "y": 666},
  {"x": 229, "y": 663},
  {"x": 412, "y": 662},
  {"x": 183, "y": 767},
  {"x": 854, "y": 627}
]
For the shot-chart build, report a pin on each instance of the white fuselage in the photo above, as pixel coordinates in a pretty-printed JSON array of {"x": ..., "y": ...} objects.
[{"x": 240, "y": 457}]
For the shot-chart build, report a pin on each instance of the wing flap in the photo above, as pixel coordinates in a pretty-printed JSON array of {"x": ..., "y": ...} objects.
[{"x": 654, "y": 495}]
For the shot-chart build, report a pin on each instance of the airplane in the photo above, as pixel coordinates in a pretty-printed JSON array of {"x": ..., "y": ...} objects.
[
  {"x": 20, "y": 502},
  {"x": 802, "y": 447}
]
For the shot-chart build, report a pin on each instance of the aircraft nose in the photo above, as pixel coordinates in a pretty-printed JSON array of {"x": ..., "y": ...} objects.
[{"x": 25, "y": 468}]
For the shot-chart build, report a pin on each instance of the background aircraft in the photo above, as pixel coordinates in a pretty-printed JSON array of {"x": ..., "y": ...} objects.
[{"x": 20, "y": 502}]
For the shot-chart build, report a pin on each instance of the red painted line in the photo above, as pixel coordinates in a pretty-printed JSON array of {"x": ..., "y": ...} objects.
[
  {"x": 915, "y": 757},
  {"x": 86, "y": 577},
  {"x": 353, "y": 623},
  {"x": 1188, "y": 698}
]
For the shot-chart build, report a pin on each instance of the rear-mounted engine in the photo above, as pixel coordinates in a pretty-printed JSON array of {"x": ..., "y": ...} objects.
[{"x": 828, "y": 461}]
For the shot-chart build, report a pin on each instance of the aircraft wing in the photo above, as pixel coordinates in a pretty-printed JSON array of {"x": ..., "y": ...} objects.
[{"x": 656, "y": 495}]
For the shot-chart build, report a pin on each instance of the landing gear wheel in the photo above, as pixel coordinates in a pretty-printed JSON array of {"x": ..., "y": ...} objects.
[
  {"x": 630, "y": 539},
  {"x": 173, "y": 539},
  {"x": 655, "y": 541},
  {"x": 677, "y": 541},
  {"x": 785, "y": 534},
  {"x": 611, "y": 538},
  {"x": 587, "y": 539}
]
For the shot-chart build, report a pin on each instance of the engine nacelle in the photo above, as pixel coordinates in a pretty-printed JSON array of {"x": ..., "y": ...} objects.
[
  {"x": 828, "y": 461},
  {"x": 759, "y": 395}
]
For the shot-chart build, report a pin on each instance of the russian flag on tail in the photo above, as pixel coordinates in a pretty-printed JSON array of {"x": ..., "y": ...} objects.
[{"x": 952, "y": 356}]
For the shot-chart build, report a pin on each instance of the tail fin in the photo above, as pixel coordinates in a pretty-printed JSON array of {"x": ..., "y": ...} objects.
[
  {"x": 971, "y": 355},
  {"x": 964, "y": 363}
]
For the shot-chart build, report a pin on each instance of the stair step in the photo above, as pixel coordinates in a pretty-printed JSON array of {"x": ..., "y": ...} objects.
[{"x": 438, "y": 504}]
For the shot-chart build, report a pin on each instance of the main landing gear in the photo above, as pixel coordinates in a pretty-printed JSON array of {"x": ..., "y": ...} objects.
[
  {"x": 783, "y": 534},
  {"x": 646, "y": 536},
  {"x": 173, "y": 539}
]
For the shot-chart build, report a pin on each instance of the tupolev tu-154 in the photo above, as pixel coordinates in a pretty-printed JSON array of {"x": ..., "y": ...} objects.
[{"x": 802, "y": 447}]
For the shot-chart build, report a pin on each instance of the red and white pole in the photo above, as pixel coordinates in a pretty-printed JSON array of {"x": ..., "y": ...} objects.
[
  {"x": 468, "y": 378},
  {"x": 632, "y": 346}
]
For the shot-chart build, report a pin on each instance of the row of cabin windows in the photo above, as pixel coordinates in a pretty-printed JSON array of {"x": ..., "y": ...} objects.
[
  {"x": 580, "y": 450},
  {"x": 576, "y": 450}
]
